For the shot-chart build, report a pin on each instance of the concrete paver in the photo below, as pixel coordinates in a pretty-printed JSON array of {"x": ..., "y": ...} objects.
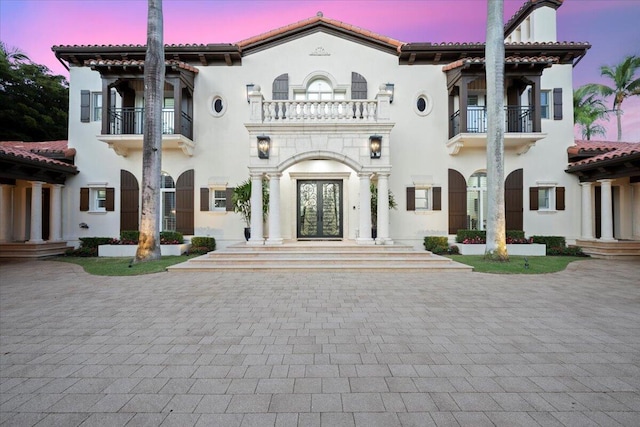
[{"x": 320, "y": 349}]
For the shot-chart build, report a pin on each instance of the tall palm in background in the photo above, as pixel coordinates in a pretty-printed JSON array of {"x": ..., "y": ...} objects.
[
  {"x": 496, "y": 246},
  {"x": 149, "y": 243},
  {"x": 625, "y": 84},
  {"x": 587, "y": 109}
]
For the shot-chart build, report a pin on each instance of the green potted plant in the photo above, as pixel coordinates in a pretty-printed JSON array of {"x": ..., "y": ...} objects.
[
  {"x": 374, "y": 208},
  {"x": 241, "y": 199}
]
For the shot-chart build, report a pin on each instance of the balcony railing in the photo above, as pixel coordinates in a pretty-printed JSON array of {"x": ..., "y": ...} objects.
[
  {"x": 518, "y": 119},
  {"x": 130, "y": 121},
  {"x": 292, "y": 111}
]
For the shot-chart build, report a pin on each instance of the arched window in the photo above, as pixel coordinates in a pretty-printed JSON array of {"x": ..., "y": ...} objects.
[
  {"x": 167, "y": 202},
  {"x": 319, "y": 90},
  {"x": 477, "y": 201}
]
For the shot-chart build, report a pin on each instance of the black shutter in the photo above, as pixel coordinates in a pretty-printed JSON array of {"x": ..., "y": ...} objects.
[
  {"x": 513, "y": 187},
  {"x": 280, "y": 88},
  {"x": 109, "y": 203},
  {"x": 129, "y": 201},
  {"x": 437, "y": 198},
  {"x": 204, "y": 199},
  {"x": 229, "y": 198},
  {"x": 184, "y": 202},
  {"x": 557, "y": 103},
  {"x": 358, "y": 86},
  {"x": 84, "y": 199},
  {"x": 85, "y": 106},
  {"x": 411, "y": 198},
  {"x": 560, "y": 198},
  {"x": 533, "y": 198}
]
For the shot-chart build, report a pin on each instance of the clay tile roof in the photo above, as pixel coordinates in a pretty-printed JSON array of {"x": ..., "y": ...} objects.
[
  {"x": 507, "y": 60},
  {"x": 602, "y": 150},
  {"x": 30, "y": 150},
  {"x": 136, "y": 63},
  {"x": 313, "y": 20}
]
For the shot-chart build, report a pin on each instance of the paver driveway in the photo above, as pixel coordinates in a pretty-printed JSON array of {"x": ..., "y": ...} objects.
[{"x": 326, "y": 349}]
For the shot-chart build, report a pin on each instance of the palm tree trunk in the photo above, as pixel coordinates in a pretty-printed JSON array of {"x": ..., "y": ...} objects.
[
  {"x": 619, "y": 117},
  {"x": 496, "y": 247},
  {"x": 154, "y": 70}
]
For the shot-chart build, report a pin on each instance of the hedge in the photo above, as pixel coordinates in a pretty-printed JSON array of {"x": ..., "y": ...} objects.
[
  {"x": 463, "y": 235},
  {"x": 202, "y": 244},
  {"x": 94, "y": 242},
  {"x": 439, "y": 245},
  {"x": 131, "y": 237},
  {"x": 550, "y": 241}
]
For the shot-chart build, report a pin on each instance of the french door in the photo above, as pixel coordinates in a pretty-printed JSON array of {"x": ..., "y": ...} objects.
[{"x": 319, "y": 210}]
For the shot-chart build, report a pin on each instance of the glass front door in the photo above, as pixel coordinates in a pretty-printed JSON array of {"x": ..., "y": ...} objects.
[{"x": 319, "y": 209}]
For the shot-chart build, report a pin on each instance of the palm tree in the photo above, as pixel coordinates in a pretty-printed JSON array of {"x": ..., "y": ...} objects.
[
  {"x": 625, "y": 84},
  {"x": 496, "y": 246},
  {"x": 12, "y": 56},
  {"x": 587, "y": 108},
  {"x": 149, "y": 243}
]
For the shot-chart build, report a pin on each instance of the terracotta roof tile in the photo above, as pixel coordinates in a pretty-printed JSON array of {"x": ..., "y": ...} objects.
[
  {"x": 30, "y": 150},
  {"x": 318, "y": 18},
  {"x": 136, "y": 63},
  {"x": 507, "y": 60},
  {"x": 602, "y": 150}
]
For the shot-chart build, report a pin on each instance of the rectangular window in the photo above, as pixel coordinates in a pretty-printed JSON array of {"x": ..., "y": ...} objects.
[
  {"x": 96, "y": 106},
  {"x": 545, "y": 108},
  {"x": 219, "y": 202},
  {"x": 544, "y": 198},
  {"x": 424, "y": 199}
]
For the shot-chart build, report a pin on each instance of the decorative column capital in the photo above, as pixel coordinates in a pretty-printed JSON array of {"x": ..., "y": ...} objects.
[
  {"x": 605, "y": 181},
  {"x": 586, "y": 184}
]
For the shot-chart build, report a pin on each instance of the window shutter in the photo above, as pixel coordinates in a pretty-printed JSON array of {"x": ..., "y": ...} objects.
[
  {"x": 457, "y": 201},
  {"x": 559, "y": 198},
  {"x": 129, "y": 201},
  {"x": 533, "y": 198},
  {"x": 280, "y": 88},
  {"x": 557, "y": 103},
  {"x": 204, "y": 199},
  {"x": 229, "y": 197},
  {"x": 513, "y": 199},
  {"x": 358, "y": 86},
  {"x": 411, "y": 198},
  {"x": 185, "y": 202},
  {"x": 109, "y": 203},
  {"x": 85, "y": 106},
  {"x": 437, "y": 198},
  {"x": 84, "y": 199}
]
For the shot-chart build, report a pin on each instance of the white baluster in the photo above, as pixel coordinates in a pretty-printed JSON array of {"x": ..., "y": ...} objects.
[{"x": 265, "y": 109}]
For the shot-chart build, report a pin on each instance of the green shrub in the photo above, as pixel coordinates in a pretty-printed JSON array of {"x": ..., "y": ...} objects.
[
  {"x": 480, "y": 236},
  {"x": 94, "y": 242},
  {"x": 463, "y": 235},
  {"x": 171, "y": 238},
  {"x": 129, "y": 237},
  {"x": 208, "y": 243},
  {"x": 82, "y": 252},
  {"x": 431, "y": 242},
  {"x": 566, "y": 251},
  {"x": 550, "y": 242},
  {"x": 515, "y": 234}
]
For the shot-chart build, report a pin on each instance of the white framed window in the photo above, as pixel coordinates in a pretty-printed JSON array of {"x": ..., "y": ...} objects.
[
  {"x": 477, "y": 201},
  {"x": 96, "y": 106},
  {"x": 217, "y": 105},
  {"x": 545, "y": 104},
  {"x": 423, "y": 104},
  {"x": 424, "y": 199},
  {"x": 218, "y": 199},
  {"x": 168, "y": 202},
  {"x": 546, "y": 198},
  {"x": 99, "y": 199}
]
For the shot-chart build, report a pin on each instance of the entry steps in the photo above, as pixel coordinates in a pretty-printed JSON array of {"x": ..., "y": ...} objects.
[
  {"x": 320, "y": 256},
  {"x": 14, "y": 250}
]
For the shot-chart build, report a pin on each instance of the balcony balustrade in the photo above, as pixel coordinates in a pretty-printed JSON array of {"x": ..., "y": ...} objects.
[
  {"x": 340, "y": 111},
  {"x": 517, "y": 119},
  {"x": 130, "y": 121}
]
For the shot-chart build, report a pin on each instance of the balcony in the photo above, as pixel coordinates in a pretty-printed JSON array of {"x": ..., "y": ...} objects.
[
  {"x": 318, "y": 111},
  {"x": 520, "y": 131},
  {"x": 126, "y": 127}
]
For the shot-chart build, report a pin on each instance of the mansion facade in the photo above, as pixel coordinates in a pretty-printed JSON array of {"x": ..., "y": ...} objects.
[{"x": 326, "y": 113}]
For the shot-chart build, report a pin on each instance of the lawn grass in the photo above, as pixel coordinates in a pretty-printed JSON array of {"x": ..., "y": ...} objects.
[
  {"x": 102, "y": 266},
  {"x": 516, "y": 264}
]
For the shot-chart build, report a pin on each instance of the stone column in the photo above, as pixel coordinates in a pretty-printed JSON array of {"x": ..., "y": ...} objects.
[
  {"x": 275, "y": 237},
  {"x": 257, "y": 231},
  {"x": 6, "y": 212},
  {"x": 36, "y": 212},
  {"x": 56, "y": 213},
  {"x": 635, "y": 210},
  {"x": 587, "y": 214},
  {"x": 606, "y": 215},
  {"x": 365, "y": 210},
  {"x": 383, "y": 210}
]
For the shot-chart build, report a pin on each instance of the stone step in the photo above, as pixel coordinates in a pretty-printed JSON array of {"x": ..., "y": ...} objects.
[
  {"x": 619, "y": 249},
  {"x": 32, "y": 250},
  {"x": 323, "y": 257}
]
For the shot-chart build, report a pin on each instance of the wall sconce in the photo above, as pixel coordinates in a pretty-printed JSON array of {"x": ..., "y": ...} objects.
[
  {"x": 264, "y": 145},
  {"x": 84, "y": 225},
  {"x": 390, "y": 87},
  {"x": 250, "y": 87},
  {"x": 375, "y": 143}
]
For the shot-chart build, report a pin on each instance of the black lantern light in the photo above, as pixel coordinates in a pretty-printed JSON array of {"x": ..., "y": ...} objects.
[
  {"x": 264, "y": 145},
  {"x": 391, "y": 89},
  {"x": 250, "y": 87},
  {"x": 375, "y": 143}
]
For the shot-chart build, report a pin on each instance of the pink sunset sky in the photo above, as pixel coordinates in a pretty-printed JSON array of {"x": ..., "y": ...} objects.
[{"x": 33, "y": 26}]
